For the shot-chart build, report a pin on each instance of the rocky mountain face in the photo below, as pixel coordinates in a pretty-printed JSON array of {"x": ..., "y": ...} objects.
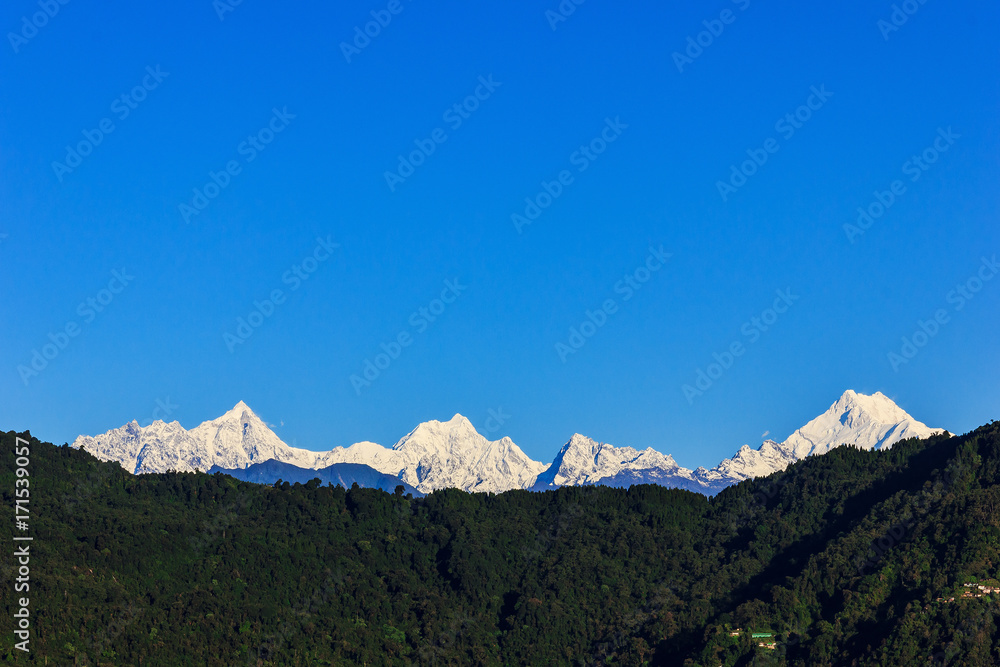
[
  {"x": 586, "y": 461},
  {"x": 451, "y": 454}
]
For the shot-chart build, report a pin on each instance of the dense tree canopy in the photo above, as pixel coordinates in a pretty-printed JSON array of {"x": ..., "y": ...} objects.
[{"x": 842, "y": 558}]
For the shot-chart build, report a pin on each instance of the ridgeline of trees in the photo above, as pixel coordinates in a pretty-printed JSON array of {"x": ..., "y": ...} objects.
[{"x": 842, "y": 558}]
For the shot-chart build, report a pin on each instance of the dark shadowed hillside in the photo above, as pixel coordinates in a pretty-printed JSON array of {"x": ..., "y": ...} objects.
[
  {"x": 851, "y": 558},
  {"x": 341, "y": 474}
]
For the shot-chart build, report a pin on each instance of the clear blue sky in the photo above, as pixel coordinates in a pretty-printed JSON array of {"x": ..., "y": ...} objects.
[{"x": 323, "y": 175}]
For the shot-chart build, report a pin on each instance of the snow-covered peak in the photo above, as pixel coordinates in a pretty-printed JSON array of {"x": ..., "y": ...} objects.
[
  {"x": 438, "y": 455},
  {"x": 444, "y": 454},
  {"x": 235, "y": 440},
  {"x": 239, "y": 438},
  {"x": 432, "y": 456},
  {"x": 583, "y": 460},
  {"x": 746, "y": 463},
  {"x": 878, "y": 407},
  {"x": 586, "y": 451},
  {"x": 456, "y": 432},
  {"x": 239, "y": 413},
  {"x": 868, "y": 422}
]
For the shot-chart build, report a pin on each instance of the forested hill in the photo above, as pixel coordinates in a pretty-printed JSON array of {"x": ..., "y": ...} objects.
[{"x": 195, "y": 569}]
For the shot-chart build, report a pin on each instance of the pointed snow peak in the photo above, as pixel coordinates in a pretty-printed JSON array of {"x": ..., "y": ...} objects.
[
  {"x": 459, "y": 422},
  {"x": 876, "y": 407},
  {"x": 439, "y": 454},
  {"x": 847, "y": 398},
  {"x": 457, "y": 432},
  {"x": 239, "y": 409},
  {"x": 584, "y": 460},
  {"x": 575, "y": 443},
  {"x": 239, "y": 413},
  {"x": 869, "y": 422},
  {"x": 851, "y": 397}
]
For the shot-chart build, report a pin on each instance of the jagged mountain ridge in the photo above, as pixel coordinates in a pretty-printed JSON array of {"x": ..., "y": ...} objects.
[
  {"x": 453, "y": 454},
  {"x": 433, "y": 456},
  {"x": 583, "y": 460},
  {"x": 867, "y": 422},
  {"x": 237, "y": 439}
]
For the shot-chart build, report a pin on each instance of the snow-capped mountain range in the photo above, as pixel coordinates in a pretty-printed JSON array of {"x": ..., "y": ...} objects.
[
  {"x": 435, "y": 455},
  {"x": 586, "y": 461},
  {"x": 867, "y": 422},
  {"x": 452, "y": 454}
]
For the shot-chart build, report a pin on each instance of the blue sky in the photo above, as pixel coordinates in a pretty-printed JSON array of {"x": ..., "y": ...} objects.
[{"x": 273, "y": 83}]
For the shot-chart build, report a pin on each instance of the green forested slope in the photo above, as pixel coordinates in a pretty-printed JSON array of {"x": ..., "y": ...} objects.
[{"x": 192, "y": 569}]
